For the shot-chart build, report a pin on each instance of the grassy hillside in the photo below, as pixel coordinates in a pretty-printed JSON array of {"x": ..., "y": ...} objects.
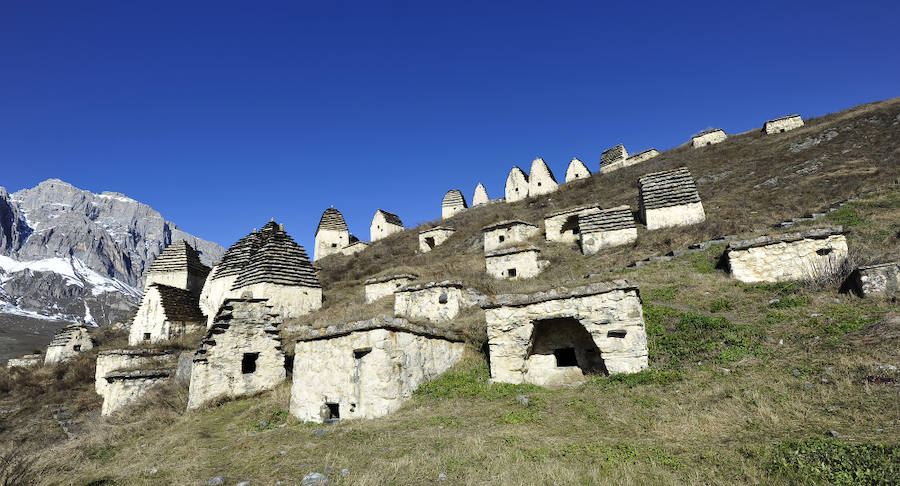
[{"x": 749, "y": 384}]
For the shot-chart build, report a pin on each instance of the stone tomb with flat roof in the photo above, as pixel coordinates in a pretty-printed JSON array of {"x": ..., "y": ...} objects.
[
  {"x": 783, "y": 124},
  {"x": 433, "y": 237},
  {"x": 506, "y": 233},
  {"x": 708, "y": 137},
  {"x": 434, "y": 301},
  {"x": 379, "y": 287},
  {"x": 606, "y": 229},
  {"x": 514, "y": 263},
  {"x": 786, "y": 257}
]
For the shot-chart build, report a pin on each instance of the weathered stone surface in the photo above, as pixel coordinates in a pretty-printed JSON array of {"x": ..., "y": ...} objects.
[
  {"x": 516, "y": 185},
  {"x": 792, "y": 256},
  {"x": 882, "y": 279},
  {"x": 453, "y": 202},
  {"x": 505, "y": 233},
  {"x": 513, "y": 263},
  {"x": 577, "y": 171},
  {"x": 612, "y": 156},
  {"x": 384, "y": 224},
  {"x": 634, "y": 159},
  {"x": 367, "y": 372},
  {"x": 25, "y": 361},
  {"x": 669, "y": 198},
  {"x": 165, "y": 312},
  {"x": 783, "y": 124},
  {"x": 608, "y": 228},
  {"x": 554, "y": 338},
  {"x": 354, "y": 248},
  {"x": 178, "y": 266},
  {"x": 481, "y": 196},
  {"x": 378, "y": 287},
  {"x": 68, "y": 342},
  {"x": 125, "y": 387},
  {"x": 112, "y": 360},
  {"x": 240, "y": 355},
  {"x": 563, "y": 226},
  {"x": 708, "y": 137},
  {"x": 540, "y": 179},
  {"x": 434, "y": 301},
  {"x": 433, "y": 237},
  {"x": 332, "y": 234}
]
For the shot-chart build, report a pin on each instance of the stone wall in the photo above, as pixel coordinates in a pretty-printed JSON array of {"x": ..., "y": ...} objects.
[
  {"x": 330, "y": 242},
  {"x": 540, "y": 179},
  {"x": 124, "y": 359},
  {"x": 555, "y": 338},
  {"x": 433, "y": 301},
  {"x": 481, "y": 196},
  {"x": 287, "y": 300},
  {"x": 126, "y": 387},
  {"x": 613, "y": 155},
  {"x": 779, "y": 258},
  {"x": 383, "y": 225},
  {"x": 634, "y": 159},
  {"x": 377, "y": 288},
  {"x": 366, "y": 373},
  {"x": 177, "y": 279},
  {"x": 513, "y": 263},
  {"x": 354, "y": 248},
  {"x": 25, "y": 361},
  {"x": 577, "y": 171},
  {"x": 783, "y": 124},
  {"x": 507, "y": 233},
  {"x": 882, "y": 280},
  {"x": 608, "y": 228},
  {"x": 669, "y": 198},
  {"x": 214, "y": 292},
  {"x": 434, "y": 237},
  {"x": 240, "y": 355},
  {"x": 563, "y": 226},
  {"x": 516, "y": 188},
  {"x": 708, "y": 137},
  {"x": 152, "y": 325},
  {"x": 67, "y": 343},
  {"x": 682, "y": 215}
]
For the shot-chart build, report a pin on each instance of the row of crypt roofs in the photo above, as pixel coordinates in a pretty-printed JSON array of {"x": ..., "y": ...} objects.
[{"x": 333, "y": 236}]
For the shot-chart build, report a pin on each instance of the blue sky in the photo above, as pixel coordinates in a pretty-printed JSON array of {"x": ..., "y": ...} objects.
[{"x": 221, "y": 115}]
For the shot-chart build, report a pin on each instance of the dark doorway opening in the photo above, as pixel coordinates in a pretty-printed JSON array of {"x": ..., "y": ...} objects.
[
  {"x": 565, "y": 357},
  {"x": 430, "y": 242},
  {"x": 571, "y": 224},
  {"x": 146, "y": 336},
  {"x": 823, "y": 251},
  {"x": 359, "y": 353},
  {"x": 248, "y": 363},
  {"x": 334, "y": 412},
  {"x": 569, "y": 343}
]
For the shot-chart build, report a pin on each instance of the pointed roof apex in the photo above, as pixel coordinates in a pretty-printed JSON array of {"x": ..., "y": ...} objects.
[{"x": 332, "y": 219}]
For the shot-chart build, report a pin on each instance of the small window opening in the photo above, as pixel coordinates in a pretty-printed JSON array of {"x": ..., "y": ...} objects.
[
  {"x": 77, "y": 347},
  {"x": 823, "y": 251},
  {"x": 443, "y": 298},
  {"x": 617, "y": 333},
  {"x": 248, "y": 363},
  {"x": 359, "y": 353},
  {"x": 511, "y": 272},
  {"x": 539, "y": 184},
  {"x": 782, "y": 130},
  {"x": 430, "y": 242},
  {"x": 334, "y": 411},
  {"x": 146, "y": 336},
  {"x": 565, "y": 357},
  {"x": 501, "y": 238},
  {"x": 334, "y": 245},
  {"x": 517, "y": 189},
  {"x": 708, "y": 144}
]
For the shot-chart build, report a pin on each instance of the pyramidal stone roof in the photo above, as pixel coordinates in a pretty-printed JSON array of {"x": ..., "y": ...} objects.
[
  {"x": 179, "y": 256},
  {"x": 237, "y": 257},
  {"x": 66, "y": 334},
  {"x": 617, "y": 218},
  {"x": 390, "y": 218},
  {"x": 454, "y": 198},
  {"x": 538, "y": 166},
  {"x": 332, "y": 219},
  {"x": 517, "y": 170},
  {"x": 277, "y": 260},
  {"x": 668, "y": 188},
  {"x": 179, "y": 304}
]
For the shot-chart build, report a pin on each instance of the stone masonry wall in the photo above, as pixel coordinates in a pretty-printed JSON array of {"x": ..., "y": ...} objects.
[
  {"x": 125, "y": 388},
  {"x": 513, "y": 263},
  {"x": 383, "y": 288},
  {"x": 516, "y": 188},
  {"x": 330, "y": 242},
  {"x": 577, "y": 171},
  {"x": 437, "y": 237},
  {"x": 540, "y": 179},
  {"x": 214, "y": 292},
  {"x": 434, "y": 301},
  {"x": 509, "y": 233},
  {"x": 883, "y": 279},
  {"x": 783, "y": 124},
  {"x": 67, "y": 343},
  {"x": 123, "y": 359},
  {"x": 287, "y": 300},
  {"x": 784, "y": 260},
  {"x": 480, "y": 196},
  {"x": 710, "y": 137},
  {"x": 563, "y": 226}
]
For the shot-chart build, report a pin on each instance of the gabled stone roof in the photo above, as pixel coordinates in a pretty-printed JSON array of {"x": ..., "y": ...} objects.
[
  {"x": 506, "y": 224},
  {"x": 613, "y": 154},
  {"x": 66, "y": 334},
  {"x": 390, "y": 218},
  {"x": 278, "y": 260},
  {"x": 179, "y": 304},
  {"x": 518, "y": 300},
  {"x": 668, "y": 188},
  {"x": 380, "y": 322},
  {"x": 453, "y": 198},
  {"x": 617, "y": 218},
  {"x": 707, "y": 132},
  {"x": 813, "y": 234},
  {"x": 237, "y": 257},
  {"x": 332, "y": 219},
  {"x": 179, "y": 256},
  {"x": 511, "y": 250}
]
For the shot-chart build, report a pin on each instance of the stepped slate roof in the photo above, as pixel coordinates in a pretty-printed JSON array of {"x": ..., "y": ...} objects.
[
  {"x": 274, "y": 258},
  {"x": 613, "y": 219},
  {"x": 66, "y": 334},
  {"x": 242, "y": 312},
  {"x": 453, "y": 198},
  {"x": 179, "y": 304},
  {"x": 707, "y": 132},
  {"x": 390, "y": 218},
  {"x": 237, "y": 257},
  {"x": 179, "y": 256},
  {"x": 668, "y": 188},
  {"x": 613, "y": 154},
  {"x": 332, "y": 220}
]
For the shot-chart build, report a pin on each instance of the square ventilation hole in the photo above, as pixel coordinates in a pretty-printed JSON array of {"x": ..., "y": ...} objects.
[
  {"x": 501, "y": 238},
  {"x": 248, "y": 363},
  {"x": 77, "y": 347},
  {"x": 617, "y": 333},
  {"x": 565, "y": 357},
  {"x": 360, "y": 352},
  {"x": 539, "y": 184},
  {"x": 146, "y": 336},
  {"x": 334, "y": 245},
  {"x": 823, "y": 251},
  {"x": 511, "y": 273}
]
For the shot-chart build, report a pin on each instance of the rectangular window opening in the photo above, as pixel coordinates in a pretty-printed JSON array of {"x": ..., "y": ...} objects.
[
  {"x": 565, "y": 357},
  {"x": 248, "y": 363},
  {"x": 146, "y": 336},
  {"x": 334, "y": 411},
  {"x": 77, "y": 347},
  {"x": 617, "y": 333},
  {"x": 502, "y": 238},
  {"x": 334, "y": 245},
  {"x": 511, "y": 272},
  {"x": 823, "y": 251},
  {"x": 360, "y": 352}
]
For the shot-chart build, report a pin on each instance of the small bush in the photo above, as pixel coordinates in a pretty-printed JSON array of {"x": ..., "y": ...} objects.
[
  {"x": 720, "y": 304},
  {"x": 846, "y": 216},
  {"x": 837, "y": 462},
  {"x": 524, "y": 416}
]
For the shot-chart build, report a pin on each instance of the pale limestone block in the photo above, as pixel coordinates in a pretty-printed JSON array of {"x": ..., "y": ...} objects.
[
  {"x": 516, "y": 188},
  {"x": 681, "y": 215}
]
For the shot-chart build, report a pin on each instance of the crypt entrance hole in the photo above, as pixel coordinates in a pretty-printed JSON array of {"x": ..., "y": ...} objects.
[{"x": 561, "y": 343}]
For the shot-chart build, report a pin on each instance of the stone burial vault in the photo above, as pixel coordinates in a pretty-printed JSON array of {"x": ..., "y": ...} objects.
[
  {"x": 267, "y": 264},
  {"x": 125, "y": 387},
  {"x": 608, "y": 228},
  {"x": 453, "y": 203},
  {"x": 882, "y": 280},
  {"x": 378, "y": 287},
  {"x": 332, "y": 234},
  {"x": 434, "y": 301},
  {"x": 434, "y": 237},
  {"x": 613, "y": 158},
  {"x": 366, "y": 369},
  {"x": 505, "y": 233},
  {"x": 25, "y": 361},
  {"x": 170, "y": 305},
  {"x": 783, "y": 124},
  {"x": 627, "y": 162},
  {"x": 480, "y": 196},
  {"x": 708, "y": 137},
  {"x": 516, "y": 185},
  {"x": 354, "y": 247},
  {"x": 669, "y": 198},
  {"x": 240, "y": 355},
  {"x": 792, "y": 256},
  {"x": 558, "y": 337},
  {"x": 384, "y": 224},
  {"x": 112, "y": 360},
  {"x": 540, "y": 179},
  {"x": 577, "y": 171},
  {"x": 563, "y": 227},
  {"x": 514, "y": 263},
  {"x": 67, "y": 343}
]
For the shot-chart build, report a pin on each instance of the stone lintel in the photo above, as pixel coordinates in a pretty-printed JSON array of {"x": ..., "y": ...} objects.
[
  {"x": 381, "y": 322},
  {"x": 428, "y": 285},
  {"x": 388, "y": 278},
  {"x": 510, "y": 251},
  {"x": 559, "y": 293},
  {"x": 766, "y": 240}
]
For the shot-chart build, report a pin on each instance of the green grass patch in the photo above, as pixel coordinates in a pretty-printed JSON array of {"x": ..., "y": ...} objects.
[
  {"x": 662, "y": 294},
  {"x": 847, "y": 216},
  {"x": 837, "y": 462},
  {"x": 524, "y": 416},
  {"x": 470, "y": 379},
  {"x": 271, "y": 421},
  {"x": 100, "y": 453},
  {"x": 641, "y": 378},
  {"x": 720, "y": 304},
  {"x": 789, "y": 301},
  {"x": 841, "y": 319},
  {"x": 705, "y": 261}
]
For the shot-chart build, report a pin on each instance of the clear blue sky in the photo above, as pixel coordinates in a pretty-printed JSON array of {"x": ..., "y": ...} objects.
[{"x": 223, "y": 114}]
